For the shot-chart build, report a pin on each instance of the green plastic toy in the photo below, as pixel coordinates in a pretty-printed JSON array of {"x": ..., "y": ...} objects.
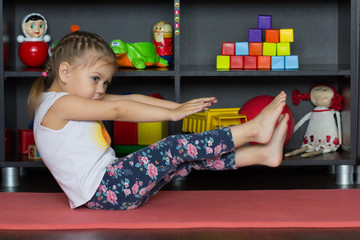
[{"x": 137, "y": 55}]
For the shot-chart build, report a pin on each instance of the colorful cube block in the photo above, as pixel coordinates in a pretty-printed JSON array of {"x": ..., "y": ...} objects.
[
  {"x": 264, "y": 21},
  {"x": 222, "y": 62},
  {"x": 283, "y": 49},
  {"x": 292, "y": 62},
  {"x": 277, "y": 62},
  {"x": 286, "y": 35},
  {"x": 269, "y": 49},
  {"x": 125, "y": 133},
  {"x": 272, "y": 35},
  {"x": 237, "y": 62},
  {"x": 255, "y": 48},
  {"x": 241, "y": 48},
  {"x": 151, "y": 132},
  {"x": 228, "y": 48},
  {"x": 264, "y": 62},
  {"x": 250, "y": 62},
  {"x": 25, "y": 138},
  {"x": 255, "y": 35},
  {"x": 33, "y": 153}
]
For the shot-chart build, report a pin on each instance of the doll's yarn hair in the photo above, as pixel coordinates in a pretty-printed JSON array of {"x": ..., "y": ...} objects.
[{"x": 336, "y": 101}]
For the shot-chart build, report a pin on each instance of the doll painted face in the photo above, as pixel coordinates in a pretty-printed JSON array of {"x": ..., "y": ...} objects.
[
  {"x": 160, "y": 29},
  {"x": 321, "y": 96},
  {"x": 34, "y": 26}
]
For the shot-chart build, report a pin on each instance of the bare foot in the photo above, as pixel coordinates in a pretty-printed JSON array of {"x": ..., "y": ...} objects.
[
  {"x": 273, "y": 151},
  {"x": 263, "y": 124}
]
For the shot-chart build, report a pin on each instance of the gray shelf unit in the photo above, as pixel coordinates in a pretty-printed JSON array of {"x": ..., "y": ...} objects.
[{"x": 326, "y": 40}]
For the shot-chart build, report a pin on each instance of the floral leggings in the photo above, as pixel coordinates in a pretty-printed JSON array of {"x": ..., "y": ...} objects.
[{"x": 131, "y": 181}]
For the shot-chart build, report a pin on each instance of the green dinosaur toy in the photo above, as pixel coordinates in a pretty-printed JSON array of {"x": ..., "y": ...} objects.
[{"x": 137, "y": 55}]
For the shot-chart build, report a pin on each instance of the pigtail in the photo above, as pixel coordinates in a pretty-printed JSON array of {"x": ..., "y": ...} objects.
[{"x": 297, "y": 96}]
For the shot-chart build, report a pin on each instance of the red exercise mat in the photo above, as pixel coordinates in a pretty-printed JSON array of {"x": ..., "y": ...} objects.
[{"x": 190, "y": 209}]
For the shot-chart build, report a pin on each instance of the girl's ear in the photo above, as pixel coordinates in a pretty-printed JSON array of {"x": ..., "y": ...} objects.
[{"x": 64, "y": 72}]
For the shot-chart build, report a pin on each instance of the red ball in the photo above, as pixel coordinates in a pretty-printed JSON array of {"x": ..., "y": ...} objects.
[
  {"x": 33, "y": 53},
  {"x": 255, "y": 105}
]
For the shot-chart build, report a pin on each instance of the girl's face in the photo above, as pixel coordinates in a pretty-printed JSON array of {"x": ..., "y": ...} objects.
[
  {"x": 35, "y": 29},
  {"x": 321, "y": 96},
  {"x": 90, "y": 81}
]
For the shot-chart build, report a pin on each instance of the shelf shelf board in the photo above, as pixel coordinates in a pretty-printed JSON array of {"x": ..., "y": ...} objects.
[
  {"x": 304, "y": 70},
  {"x": 121, "y": 72},
  {"x": 21, "y": 160}
]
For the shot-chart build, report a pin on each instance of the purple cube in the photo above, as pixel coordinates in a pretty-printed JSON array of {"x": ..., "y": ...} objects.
[
  {"x": 264, "y": 21},
  {"x": 255, "y": 35}
]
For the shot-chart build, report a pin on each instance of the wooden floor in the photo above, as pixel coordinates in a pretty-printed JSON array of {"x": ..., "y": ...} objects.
[{"x": 250, "y": 178}]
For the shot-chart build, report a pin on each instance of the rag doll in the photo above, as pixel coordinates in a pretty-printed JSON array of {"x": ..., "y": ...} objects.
[{"x": 323, "y": 134}]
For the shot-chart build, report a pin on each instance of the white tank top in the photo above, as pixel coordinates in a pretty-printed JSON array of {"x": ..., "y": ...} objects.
[{"x": 76, "y": 155}]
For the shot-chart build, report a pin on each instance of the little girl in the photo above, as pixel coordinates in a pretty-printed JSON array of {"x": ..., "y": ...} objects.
[{"x": 69, "y": 103}]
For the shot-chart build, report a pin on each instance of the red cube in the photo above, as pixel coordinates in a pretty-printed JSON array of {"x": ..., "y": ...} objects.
[
  {"x": 125, "y": 133},
  {"x": 25, "y": 138},
  {"x": 250, "y": 62},
  {"x": 255, "y": 48},
  {"x": 228, "y": 48},
  {"x": 264, "y": 62},
  {"x": 237, "y": 62}
]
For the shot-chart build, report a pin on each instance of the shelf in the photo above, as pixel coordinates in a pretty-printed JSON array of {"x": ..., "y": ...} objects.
[
  {"x": 304, "y": 70},
  {"x": 21, "y": 160},
  {"x": 336, "y": 158}
]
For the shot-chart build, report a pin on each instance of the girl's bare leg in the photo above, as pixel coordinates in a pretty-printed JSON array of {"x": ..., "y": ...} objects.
[
  {"x": 270, "y": 154},
  {"x": 261, "y": 128}
]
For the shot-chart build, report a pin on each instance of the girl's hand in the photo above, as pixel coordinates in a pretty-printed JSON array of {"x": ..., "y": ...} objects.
[{"x": 191, "y": 107}]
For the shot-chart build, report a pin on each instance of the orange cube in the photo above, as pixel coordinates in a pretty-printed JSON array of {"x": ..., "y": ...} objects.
[
  {"x": 255, "y": 48},
  {"x": 264, "y": 62},
  {"x": 272, "y": 35}
]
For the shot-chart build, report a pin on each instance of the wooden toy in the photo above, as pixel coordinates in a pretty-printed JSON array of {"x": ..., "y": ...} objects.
[
  {"x": 250, "y": 62},
  {"x": 222, "y": 62},
  {"x": 25, "y": 138},
  {"x": 163, "y": 40},
  {"x": 264, "y": 21},
  {"x": 151, "y": 132},
  {"x": 286, "y": 35},
  {"x": 242, "y": 48},
  {"x": 125, "y": 133},
  {"x": 255, "y": 48},
  {"x": 228, "y": 48},
  {"x": 283, "y": 49},
  {"x": 292, "y": 62},
  {"x": 212, "y": 119},
  {"x": 137, "y": 55},
  {"x": 33, "y": 153},
  {"x": 264, "y": 62},
  {"x": 237, "y": 62},
  {"x": 123, "y": 150},
  {"x": 269, "y": 49},
  {"x": 272, "y": 35},
  {"x": 277, "y": 62},
  {"x": 255, "y": 35}
]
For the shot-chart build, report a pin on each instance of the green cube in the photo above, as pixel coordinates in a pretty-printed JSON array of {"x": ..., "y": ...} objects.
[
  {"x": 269, "y": 49},
  {"x": 283, "y": 49}
]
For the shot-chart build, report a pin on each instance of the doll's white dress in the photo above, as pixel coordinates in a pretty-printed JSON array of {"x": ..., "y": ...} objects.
[{"x": 322, "y": 131}]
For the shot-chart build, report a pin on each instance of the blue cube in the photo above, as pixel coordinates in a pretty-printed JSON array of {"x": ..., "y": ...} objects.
[
  {"x": 277, "y": 62},
  {"x": 255, "y": 35},
  {"x": 292, "y": 62},
  {"x": 241, "y": 48},
  {"x": 264, "y": 21}
]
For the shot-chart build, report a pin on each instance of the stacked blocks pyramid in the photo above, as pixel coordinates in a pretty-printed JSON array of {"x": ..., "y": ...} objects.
[{"x": 272, "y": 54}]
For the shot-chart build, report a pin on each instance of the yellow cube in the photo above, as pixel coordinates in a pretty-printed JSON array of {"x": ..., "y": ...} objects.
[
  {"x": 283, "y": 49},
  {"x": 269, "y": 49},
  {"x": 149, "y": 133},
  {"x": 286, "y": 35},
  {"x": 223, "y": 61}
]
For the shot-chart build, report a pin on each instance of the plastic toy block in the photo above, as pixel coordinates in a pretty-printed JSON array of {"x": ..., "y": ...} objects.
[
  {"x": 123, "y": 150},
  {"x": 25, "y": 138},
  {"x": 151, "y": 132},
  {"x": 277, "y": 63},
  {"x": 255, "y": 35},
  {"x": 33, "y": 152},
  {"x": 250, "y": 62},
  {"x": 222, "y": 61},
  {"x": 241, "y": 48},
  {"x": 237, "y": 62},
  {"x": 283, "y": 49},
  {"x": 255, "y": 48},
  {"x": 292, "y": 62},
  {"x": 125, "y": 133},
  {"x": 272, "y": 35},
  {"x": 264, "y": 62},
  {"x": 264, "y": 21},
  {"x": 286, "y": 35},
  {"x": 269, "y": 49},
  {"x": 228, "y": 48}
]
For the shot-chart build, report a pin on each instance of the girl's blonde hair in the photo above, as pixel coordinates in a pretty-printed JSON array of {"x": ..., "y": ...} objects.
[{"x": 73, "y": 48}]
